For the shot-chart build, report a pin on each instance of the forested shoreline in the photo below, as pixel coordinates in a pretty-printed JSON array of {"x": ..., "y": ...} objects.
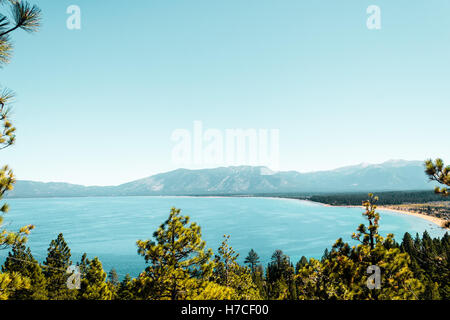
[
  {"x": 351, "y": 198},
  {"x": 386, "y": 198},
  {"x": 425, "y": 203}
]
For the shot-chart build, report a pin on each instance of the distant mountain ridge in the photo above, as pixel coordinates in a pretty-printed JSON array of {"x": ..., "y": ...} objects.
[{"x": 394, "y": 175}]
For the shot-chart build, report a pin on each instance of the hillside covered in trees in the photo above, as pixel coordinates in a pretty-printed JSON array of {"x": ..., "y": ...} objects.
[{"x": 386, "y": 198}]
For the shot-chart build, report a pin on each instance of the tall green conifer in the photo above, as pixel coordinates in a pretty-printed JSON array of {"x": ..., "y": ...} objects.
[
  {"x": 179, "y": 266},
  {"x": 56, "y": 270},
  {"x": 93, "y": 283},
  {"x": 21, "y": 261},
  {"x": 230, "y": 274},
  {"x": 126, "y": 290},
  {"x": 252, "y": 260}
]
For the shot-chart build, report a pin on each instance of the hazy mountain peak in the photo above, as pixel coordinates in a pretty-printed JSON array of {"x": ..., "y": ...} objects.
[
  {"x": 401, "y": 163},
  {"x": 389, "y": 176}
]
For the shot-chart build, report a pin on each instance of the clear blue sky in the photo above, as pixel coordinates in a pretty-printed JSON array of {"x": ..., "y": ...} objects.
[{"x": 97, "y": 106}]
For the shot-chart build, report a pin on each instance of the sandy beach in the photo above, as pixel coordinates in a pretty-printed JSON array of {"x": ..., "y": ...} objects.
[{"x": 439, "y": 222}]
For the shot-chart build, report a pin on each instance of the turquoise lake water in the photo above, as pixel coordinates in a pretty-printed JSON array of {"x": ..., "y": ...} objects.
[{"x": 109, "y": 227}]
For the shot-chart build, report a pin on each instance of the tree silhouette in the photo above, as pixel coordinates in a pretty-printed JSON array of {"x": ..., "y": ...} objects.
[{"x": 252, "y": 259}]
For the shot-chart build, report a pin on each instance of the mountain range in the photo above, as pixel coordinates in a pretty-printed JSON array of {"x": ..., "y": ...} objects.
[{"x": 394, "y": 175}]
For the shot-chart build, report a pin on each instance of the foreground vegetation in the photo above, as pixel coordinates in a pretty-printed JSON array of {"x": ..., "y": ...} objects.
[{"x": 26, "y": 17}]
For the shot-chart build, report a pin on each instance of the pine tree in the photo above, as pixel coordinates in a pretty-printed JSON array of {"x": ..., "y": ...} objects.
[
  {"x": 83, "y": 264},
  {"x": 25, "y": 17},
  {"x": 258, "y": 280},
  {"x": 304, "y": 261},
  {"x": 113, "y": 278},
  {"x": 230, "y": 274},
  {"x": 93, "y": 282},
  {"x": 438, "y": 172},
  {"x": 179, "y": 266},
  {"x": 10, "y": 283},
  {"x": 126, "y": 290},
  {"x": 55, "y": 270},
  {"x": 113, "y": 282},
  {"x": 326, "y": 254},
  {"x": 214, "y": 291},
  {"x": 344, "y": 275},
  {"x": 407, "y": 244},
  {"x": 252, "y": 259},
  {"x": 280, "y": 276},
  {"x": 430, "y": 262},
  {"x": 257, "y": 272},
  {"x": 225, "y": 263},
  {"x": 21, "y": 261},
  {"x": 369, "y": 235}
]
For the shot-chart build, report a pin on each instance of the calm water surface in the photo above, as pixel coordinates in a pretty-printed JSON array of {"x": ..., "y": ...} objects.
[{"x": 109, "y": 227}]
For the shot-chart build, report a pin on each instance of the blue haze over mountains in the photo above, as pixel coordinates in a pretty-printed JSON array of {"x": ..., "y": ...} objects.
[{"x": 394, "y": 175}]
